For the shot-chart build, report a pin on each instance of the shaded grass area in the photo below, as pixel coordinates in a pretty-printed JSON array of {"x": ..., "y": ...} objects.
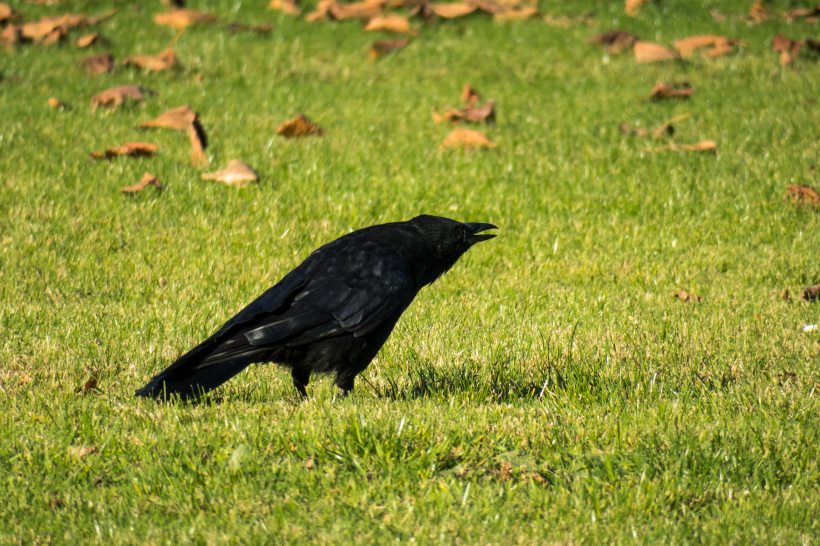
[{"x": 548, "y": 389}]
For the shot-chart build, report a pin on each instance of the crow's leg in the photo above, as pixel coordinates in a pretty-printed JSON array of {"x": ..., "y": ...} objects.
[
  {"x": 301, "y": 378},
  {"x": 345, "y": 384}
]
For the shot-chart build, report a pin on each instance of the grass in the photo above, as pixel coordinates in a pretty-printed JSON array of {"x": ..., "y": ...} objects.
[{"x": 661, "y": 422}]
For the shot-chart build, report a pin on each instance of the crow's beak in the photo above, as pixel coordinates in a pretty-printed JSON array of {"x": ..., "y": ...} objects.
[{"x": 473, "y": 228}]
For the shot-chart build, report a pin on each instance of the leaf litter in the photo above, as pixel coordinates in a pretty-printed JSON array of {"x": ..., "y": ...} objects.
[
  {"x": 299, "y": 126},
  {"x": 670, "y": 91},
  {"x": 133, "y": 149},
  {"x": 183, "y": 118},
  {"x": 165, "y": 60},
  {"x": 380, "y": 49},
  {"x": 237, "y": 174},
  {"x": 802, "y": 195},
  {"x": 98, "y": 64},
  {"x": 183, "y": 18},
  {"x": 467, "y": 139},
  {"x": 614, "y": 41},
  {"x": 118, "y": 95},
  {"x": 148, "y": 179}
]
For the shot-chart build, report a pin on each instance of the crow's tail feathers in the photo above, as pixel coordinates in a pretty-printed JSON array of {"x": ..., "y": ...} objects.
[{"x": 202, "y": 370}]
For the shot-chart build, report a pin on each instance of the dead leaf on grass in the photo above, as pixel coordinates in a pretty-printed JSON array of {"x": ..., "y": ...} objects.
[
  {"x": 98, "y": 64},
  {"x": 466, "y": 138},
  {"x": 647, "y": 52},
  {"x": 391, "y": 23},
  {"x": 236, "y": 174},
  {"x": 183, "y": 18},
  {"x": 87, "y": 40},
  {"x": 811, "y": 293},
  {"x": 299, "y": 126},
  {"x": 133, "y": 149},
  {"x": 450, "y": 11},
  {"x": 615, "y": 41},
  {"x": 321, "y": 12},
  {"x": 472, "y": 114},
  {"x": 758, "y": 14},
  {"x": 81, "y": 451},
  {"x": 288, "y": 7},
  {"x": 10, "y": 35},
  {"x": 683, "y": 295},
  {"x": 788, "y": 49},
  {"x": 380, "y": 49},
  {"x": 666, "y": 91},
  {"x": 359, "y": 10},
  {"x": 58, "y": 104},
  {"x": 718, "y": 51},
  {"x": 165, "y": 60},
  {"x": 802, "y": 195},
  {"x": 148, "y": 179},
  {"x": 469, "y": 96},
  {"x": 233, "y": 28},
  {"x": 811, "y": 15},
  {"x": 198, "y": 143},
  {"x": 175, "y": 118},
  {"x": 631, "y": 7},
  {"x": 118, "y": 95},
  {"x": 688, "y": 46},
  {"x": 705, "y": 146},
  {"x": 516, "y": 14},
  {"x": 87, "y": 387},
  {"x": 6, "y": 13}
]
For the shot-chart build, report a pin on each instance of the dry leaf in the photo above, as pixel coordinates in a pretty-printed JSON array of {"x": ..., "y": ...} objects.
[
  {"x": 516, "y": 14},
  {"x": 10, "y": 35},
  {"x": 380, "y": 49},
  {"x": 46, "y": 27},
  {"x": 758, "y": 14},
  {"x": 392, "y": 23},
  {"x": 133, "y": 149},
  {"x": 322, "y": 10},
  {"x": 472, "y": 114},
  {"x": 665, "y": 91},
  {"x": 98, "y": 64},
  {"x": 615, "y": 41},
  {"x": 259, "y": 29},
  {"x": 6, "y": 12},
  {"x": 176, "y": 118},
  {"x": 491, "y": 7},
  {"x": 198, "y": 143},
  {"x": 299, "y": 126},
  {"x": 802, "y": 195},
  {"x": 87, "y": 40},
  {"x": 148, "y": 179},
  {"x": 788, "y": 49},
  {"x": 55, "y": 103},
  {"x": 718, "y": 50},
  {"x": 449, "y": 11},
  {"x": 469, "y": 96},
  {"x": 811, "y": 293},
  {"x": 182, "y": 18},
  {"x": 163, "y": 61},
  {"x": 236, "y": 174},
  {"x": 288, "y": 7},
  {"x": 118, "y": 95},
  {"x": 705, "y": 146},
  {"x": 467, "y": 139},
  {"x": 683, "y": 295},
  {"x": 81, "y": 452},
  {"x": 717, "y": 17},
  {"x": 360, "y": 10},
  {"x": 810, "y": 14},
  {"x": 88, "y": 386},
  {"x": 689, "y": 45},
  {"x": 647, "y": 52},
  {"x": 631, "y": 6}
]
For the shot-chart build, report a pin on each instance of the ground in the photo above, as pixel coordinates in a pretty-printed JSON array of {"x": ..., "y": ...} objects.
[{"x": 548, "y": 389}]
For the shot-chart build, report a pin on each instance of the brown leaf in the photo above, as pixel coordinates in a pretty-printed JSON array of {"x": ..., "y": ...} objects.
[
  {"x": 811, "y": 293},
  {"x": 133, "y": 149},
  {"x": 467, "y": 139},
  {"x": 665, "y": 91},
  {"x": 471, "y": 114},
  {"x": 392, "y": 23},
  {"x": 163, "y": 61},
  {"x": 758, "y": 14},
  {"x": 450, "y": 11},
  {"x": 469, "y": 96},
  {"x": 198, "y": 143},
  {"x": 88, "y": 386},
  {"x": 182, "y": 18},
  {"x": 788, "y": 49},
  {"x": 647, "y": 52},
  {"x": 239, "y": 27},
  {"x": 717, "y": 17},
  {"x": 688, "y": 46},
  {"x": 380, "y": 49},
  {"x": 87, "y": 40},
  {"x": 718, "y": 51},
  {"x": 81, "y": 451},
  {"x": 516, "y": 14},
  {"x": 359, "y": 10},
  {"x": 490, "y": 6},
  {"x": 615, "y": 41},
  {"x": 288, "y": 7},
  {"x": 148, "y": 179},
  {"x": 6, "y": 13},
  {"x": 98, "y": 64},
  {"x": 802, "y": 195},
  {"x": 299, "y": 126},
  {"x": 705, "y": 146},
  {"x": 322, "y": 11},
  {"x": 811, "y": 13},
  {"x": 46, "y": 27},
  {"x": 176, "y": 118},
  {"x": 10, "y": 35},
  {"x": 631, "y": 6},
  {"x": 118, "y": 95},
  {"x": 236, "y": 174},
  {"x": 683, "y": 295},
  {"x": 55, "y": 103}
]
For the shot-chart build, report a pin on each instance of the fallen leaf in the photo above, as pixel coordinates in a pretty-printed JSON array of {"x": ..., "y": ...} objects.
[
  {"x": 322, "y": 11},
  {"x": 380, "y": 49},
  {"x": 392, "y": 23},
  {"x": 802, "y": 195},
  {"x": 811, "y": 293},
  {"x": 148, "y": 179},
  {"x": 472, "y": 114},
  {"x": 98, "y": 64},
  {"x": 176, "y": 118},
  {"x": 133, "y": 149},
  {"x": 47, "y": 27},
  {"x": 359, "y": 10},
  {"x": 788, "y": 49},
  {"x": 516, "y": 14},
  {"x": 683, "y": 295},
  {"x": 198, "y": 143},
  {"x": 615, "y": 41},
  {"x": 239, "y": 27},
  {"x": 705, "y": 146},
  {"x": 717, "y": 17},
  {"x": 6, "y": 13},
  {"x": 10, "y": 35},
  {"x": 163, "y": 61},
  {"x": 688, "y": 46},
  {"x": 647, "y": 52},
  {"x": 88, "y": 386},
  {"x": 450, "y": 11},
  {"x": 81, "y": 451},
  {"x": 469, "y": 96},
  {"x": 758, "y": 14},
  {"x": 490, "y": 6},
  {"x": 118, "y": 95},
  {"x": 309, "y": 464},
  {"x": 467, "y": 139},
  {"x": 55, "y": 103},
  {"x": 718, "y": 51},
  {"x": 236, "y": 174},
  {"x": 808, "y": 14},
  {"x": 631, "y": 6},
  {"x": 182, "y": 18},
  {"x": 288, "y": 7},
  {"x": 665, "y": 91},
  {"x": 299, "y": 126},
  {"x": 87, "y": 40}
]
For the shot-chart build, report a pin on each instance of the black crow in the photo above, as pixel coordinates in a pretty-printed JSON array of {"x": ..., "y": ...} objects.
[{"x": 330, "y": 314}]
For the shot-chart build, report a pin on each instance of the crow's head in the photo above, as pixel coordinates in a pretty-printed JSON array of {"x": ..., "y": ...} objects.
[{"x": 448, "y": 240}]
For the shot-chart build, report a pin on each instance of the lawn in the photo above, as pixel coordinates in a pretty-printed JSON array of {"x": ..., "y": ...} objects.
[{"x": 549, "y": 389}]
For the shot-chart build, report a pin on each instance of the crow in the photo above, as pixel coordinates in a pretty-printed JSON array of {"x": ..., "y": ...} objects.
[{"x": 332, "y": 313}]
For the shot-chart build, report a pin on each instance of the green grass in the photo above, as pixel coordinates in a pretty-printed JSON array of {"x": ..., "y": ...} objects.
[{"x": 661, "y": 422}]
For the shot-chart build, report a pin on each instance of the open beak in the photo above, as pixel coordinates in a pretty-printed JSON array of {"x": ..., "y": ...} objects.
[{"x": 474, "y": 228}]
